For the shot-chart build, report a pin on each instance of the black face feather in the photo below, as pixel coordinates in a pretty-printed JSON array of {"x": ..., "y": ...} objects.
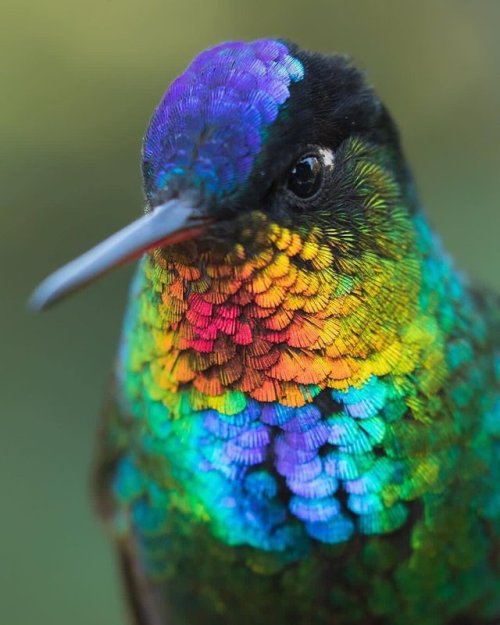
[{"x": 331, "y": 104}]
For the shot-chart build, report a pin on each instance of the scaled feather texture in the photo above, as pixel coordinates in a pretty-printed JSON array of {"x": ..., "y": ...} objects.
[{"x": 306, "y": 419}]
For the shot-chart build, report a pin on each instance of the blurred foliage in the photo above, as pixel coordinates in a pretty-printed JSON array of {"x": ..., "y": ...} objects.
[{"x": 79, "y": 83}]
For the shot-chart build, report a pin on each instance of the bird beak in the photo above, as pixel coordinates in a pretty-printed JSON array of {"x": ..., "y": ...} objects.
[{"x": 171, "y": 222}]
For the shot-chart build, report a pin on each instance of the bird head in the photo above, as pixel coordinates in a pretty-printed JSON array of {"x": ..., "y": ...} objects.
[{"x": 276, "y": 192}]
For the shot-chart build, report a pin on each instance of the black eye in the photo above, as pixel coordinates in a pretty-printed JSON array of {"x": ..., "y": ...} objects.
[{"x": 305, "y": 177}]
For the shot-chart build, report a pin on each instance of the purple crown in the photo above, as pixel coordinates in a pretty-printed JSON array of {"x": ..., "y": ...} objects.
[{"x": 210, "y": 123}]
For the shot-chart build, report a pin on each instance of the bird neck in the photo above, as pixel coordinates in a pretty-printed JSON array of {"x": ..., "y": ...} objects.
[{"x": 289, "y": 322}]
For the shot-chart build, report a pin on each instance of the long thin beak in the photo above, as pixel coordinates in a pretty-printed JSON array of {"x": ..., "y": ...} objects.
[{"x": 166, "y": 224}]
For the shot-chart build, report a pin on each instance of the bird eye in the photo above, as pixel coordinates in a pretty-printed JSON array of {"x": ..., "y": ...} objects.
[{"x": 305, "y": 177}]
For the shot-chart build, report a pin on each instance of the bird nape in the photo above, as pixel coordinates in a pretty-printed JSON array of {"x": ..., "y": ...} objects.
[{"x": 304, "y": 424}]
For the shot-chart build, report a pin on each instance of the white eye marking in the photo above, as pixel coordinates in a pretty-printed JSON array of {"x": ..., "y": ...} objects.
[{"x": 327, "y": 157}]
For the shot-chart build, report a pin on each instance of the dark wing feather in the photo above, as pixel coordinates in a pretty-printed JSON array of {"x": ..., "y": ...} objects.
[{"x": 145, "y": 605}]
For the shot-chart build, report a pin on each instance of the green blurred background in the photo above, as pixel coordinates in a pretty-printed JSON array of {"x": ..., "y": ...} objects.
[{"x": 79, "y": 82}]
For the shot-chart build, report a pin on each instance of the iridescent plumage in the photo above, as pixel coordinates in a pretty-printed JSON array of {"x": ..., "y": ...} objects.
[{"x": 307, "y": 417}]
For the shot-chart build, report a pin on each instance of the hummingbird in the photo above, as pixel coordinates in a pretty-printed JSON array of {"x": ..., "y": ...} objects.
[{"x": 304, "y": 420}]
